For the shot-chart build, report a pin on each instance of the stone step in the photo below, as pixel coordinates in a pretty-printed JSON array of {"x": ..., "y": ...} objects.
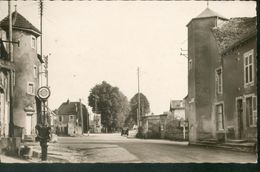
[
  {"x": 243, "y": 144},
  {"x": 248, "y": 148},
  {"x": 208, "y": 142}
]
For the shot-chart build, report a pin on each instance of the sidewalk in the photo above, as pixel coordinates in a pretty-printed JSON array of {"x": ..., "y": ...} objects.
[{"x": 9, "y": 159}]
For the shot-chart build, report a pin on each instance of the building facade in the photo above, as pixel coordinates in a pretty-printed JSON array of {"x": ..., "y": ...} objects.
[
  {"x": 26, "y": 78},
  {"x": 5, "y": 72},
  {"x": 177, "y": 108},
  {"x": 72, "y": 118},
  {"x": 217, "y": 72}
]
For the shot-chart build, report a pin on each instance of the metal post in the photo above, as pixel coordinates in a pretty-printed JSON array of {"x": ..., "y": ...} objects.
[
  {"x": 81, "y": 116},
  {"x": 138, "y": 112}
]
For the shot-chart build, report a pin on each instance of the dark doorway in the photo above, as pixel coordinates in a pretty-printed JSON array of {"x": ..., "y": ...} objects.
[{"x": 240, "y": 117}]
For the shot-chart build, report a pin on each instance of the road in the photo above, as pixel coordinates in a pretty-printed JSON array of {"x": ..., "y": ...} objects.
[{"x": 113, "y": 148}]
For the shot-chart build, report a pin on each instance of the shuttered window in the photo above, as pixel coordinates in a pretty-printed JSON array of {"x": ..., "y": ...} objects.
[
  {"x": 251, "y": 110},
  {"x": 249, "y": 68}
]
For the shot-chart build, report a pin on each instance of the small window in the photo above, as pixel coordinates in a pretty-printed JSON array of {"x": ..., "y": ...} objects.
[
  {"x": 219, "y": 81},
  {"x": 30, "y": 88},
  {"x": 33, "y": 42},
  {"x": 219, "y": 115},
  {"x": 190, "y": 64},
  {"x": 35, "y": 71},
  {"x": 249, "y": 68},
  {"x": 71, "y": 118},
  {"x": 60, "y": 118}
]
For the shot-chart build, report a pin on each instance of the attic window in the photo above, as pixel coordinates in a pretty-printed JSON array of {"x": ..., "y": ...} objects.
[{"x": 33, "y": 42}]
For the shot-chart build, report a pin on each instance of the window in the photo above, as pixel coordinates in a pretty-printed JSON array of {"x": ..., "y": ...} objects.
[
  {"x": 249, "y": 68},
  {"x": 190, "y": 64},
  {"x": 219, "y": 115},
  {"x": 33, "y": 42},
  {"x": 60, "y": 118},
  {"x": 35, "y": 71},
  {"x": 71, "y": 118},
  {"x": 30, "y": 88},
  {"x": 218, "y": 80},
  {"x": 251, "y": 110}
]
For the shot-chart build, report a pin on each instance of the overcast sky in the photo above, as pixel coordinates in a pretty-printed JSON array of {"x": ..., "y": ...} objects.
[{"x": 91, "y": 42}]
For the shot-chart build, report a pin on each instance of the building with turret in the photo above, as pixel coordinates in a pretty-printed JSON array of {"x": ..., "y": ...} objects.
[
  {"x": 26, "y": 78},
  {"x": 221, "y": 101}
]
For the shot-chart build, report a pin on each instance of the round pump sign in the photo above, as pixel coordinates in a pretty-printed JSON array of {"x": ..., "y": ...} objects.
[{"x": 44, "y": 93}]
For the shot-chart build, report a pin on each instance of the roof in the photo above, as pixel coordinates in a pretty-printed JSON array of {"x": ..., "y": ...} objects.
[
  {"x": 177, "y": 104},
  {"x": 233, "y": 31},
  {"x": 207, "y": 13},
  {"x": 71, "y": 108},
  {"x": 19, "y": 22}
]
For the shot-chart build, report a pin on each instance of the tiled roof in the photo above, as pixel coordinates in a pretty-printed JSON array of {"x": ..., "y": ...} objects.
[
  {"x": 209, "y": 13},
  {"x": 71, "y": 108},
  {"x": 233, "y": 31},
  {"x": 19, "y": 22}
]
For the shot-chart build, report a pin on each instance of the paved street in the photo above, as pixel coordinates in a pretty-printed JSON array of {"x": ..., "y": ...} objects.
[{"x": 114, "y": 148}]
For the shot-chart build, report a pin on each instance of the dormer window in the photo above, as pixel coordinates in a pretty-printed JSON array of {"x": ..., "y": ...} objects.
[{"x": 33, "y": 42}]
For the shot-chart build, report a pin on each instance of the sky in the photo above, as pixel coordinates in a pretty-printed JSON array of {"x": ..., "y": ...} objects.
[{"x": 90, "y": 42}]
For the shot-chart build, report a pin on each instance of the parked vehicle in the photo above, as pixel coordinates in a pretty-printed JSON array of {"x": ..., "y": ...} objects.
[{"x": 124, "y": 131}]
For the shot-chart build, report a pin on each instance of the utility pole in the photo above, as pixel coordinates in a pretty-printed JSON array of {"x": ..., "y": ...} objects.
[
  {"x": 138, "y": 111},
  {"x": 11, "y": 123},
  {"x": 81, "y": 116}
]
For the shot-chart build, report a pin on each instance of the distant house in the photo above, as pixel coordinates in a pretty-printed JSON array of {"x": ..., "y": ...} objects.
[
  {"x": 97, "y": 123},
  {"x": 221, "y": 101},
  {"x": 72, "y": 118},
  {"x": 177, "y": 108}
]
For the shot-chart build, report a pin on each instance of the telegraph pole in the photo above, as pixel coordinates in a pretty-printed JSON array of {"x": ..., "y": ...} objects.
[
  {"x": 11, "y": 126},
  {"x": 138, "y": 111},
  {"x": 81, "y": 115}
]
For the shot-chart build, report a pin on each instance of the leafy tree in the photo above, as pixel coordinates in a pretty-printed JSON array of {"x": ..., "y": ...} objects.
[
  {"x": 144, "y": 108},
  {"x": 111, "y": 103}
]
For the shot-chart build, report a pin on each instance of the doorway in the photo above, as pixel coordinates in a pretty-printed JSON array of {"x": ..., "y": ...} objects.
[
  {"x": 240, "y": 117},
  {"x": 28, "y": 127}
]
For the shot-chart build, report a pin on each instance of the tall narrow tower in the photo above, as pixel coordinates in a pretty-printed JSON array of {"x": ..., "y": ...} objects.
[{"x": 200, "y": 71}]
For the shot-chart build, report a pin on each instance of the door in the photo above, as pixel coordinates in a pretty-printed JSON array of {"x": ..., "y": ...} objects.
[
  {"x": 240, "y": 117},
  {"x": 28, "y": 127}
]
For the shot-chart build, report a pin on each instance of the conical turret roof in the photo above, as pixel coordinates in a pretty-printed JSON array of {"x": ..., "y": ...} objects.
[
  {"x": 19, "y": 22},
  {"x": 207, "y": 13}
]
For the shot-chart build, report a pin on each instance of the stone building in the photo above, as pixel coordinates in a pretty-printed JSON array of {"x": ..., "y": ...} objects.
[
  {"x": 221, "y": 78},
  {"x": 72, "y": 118},
  {"x": 5, "y": 72},
  {"x": 26, "y": 79}
]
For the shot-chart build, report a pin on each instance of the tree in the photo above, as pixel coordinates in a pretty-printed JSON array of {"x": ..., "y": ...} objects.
[
  {"x": 111, "y": 103},
  {"x": 144, "y": 108}
]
